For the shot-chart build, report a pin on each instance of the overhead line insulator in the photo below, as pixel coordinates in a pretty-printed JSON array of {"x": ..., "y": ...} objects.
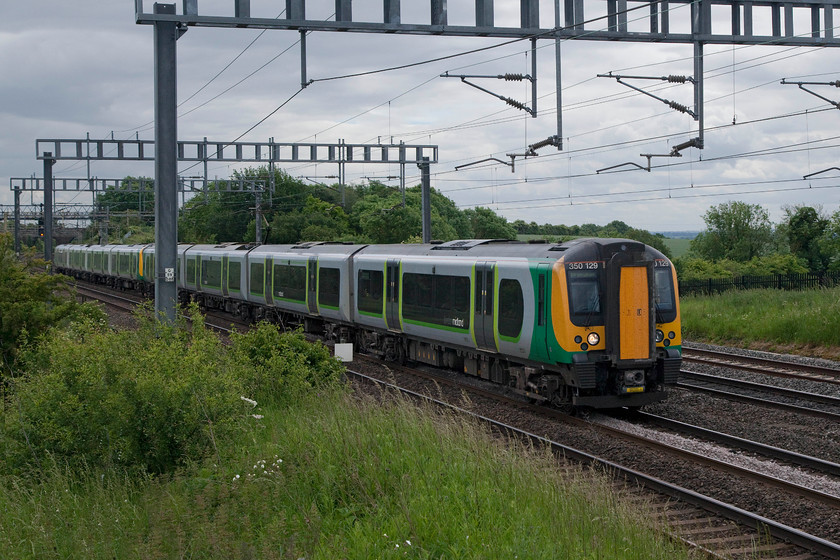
[
  {"x": 514, "y": 103},
  {"x": 677, "y": 79},
  {"x": 678, "y": 107},
  {"x": 513, "y": 77}
]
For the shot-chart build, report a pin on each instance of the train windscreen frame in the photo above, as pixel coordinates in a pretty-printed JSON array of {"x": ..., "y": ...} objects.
[
  {"x": 584, "y": 282},
  {"x": 664, "y": 294}
]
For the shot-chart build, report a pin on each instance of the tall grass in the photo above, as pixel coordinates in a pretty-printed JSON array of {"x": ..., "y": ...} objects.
[
  {"x": 333, "y": 476},
  {"x": 807, "y": 318}
]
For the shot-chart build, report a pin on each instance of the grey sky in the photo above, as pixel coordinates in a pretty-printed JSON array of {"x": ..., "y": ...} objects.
[{"x": 71, "y": 68}]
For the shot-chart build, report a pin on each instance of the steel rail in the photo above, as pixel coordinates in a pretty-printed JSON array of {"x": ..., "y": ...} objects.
[
  {"x": 718, "y": 380},
  {"x": 761, "y": 402},
  {"x": 775, "y": 529},
  {"x": 760, "y": 365},
  {"x": 778, "y": 453}
]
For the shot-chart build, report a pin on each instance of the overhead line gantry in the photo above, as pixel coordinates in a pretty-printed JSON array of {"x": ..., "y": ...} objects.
[{"x": 570, "y": 22}]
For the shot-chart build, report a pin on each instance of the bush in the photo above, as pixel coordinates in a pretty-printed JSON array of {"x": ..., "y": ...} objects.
[
  {"x": 282, "y": 365},
  {"x": 693, "y": 268},
  {"x": 32, "y": 301},
  {"x": 151, "y": 399}
]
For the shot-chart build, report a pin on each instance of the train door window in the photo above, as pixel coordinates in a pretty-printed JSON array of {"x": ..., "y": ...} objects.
[
  {"x": 191, "y": 266},
  {"x": 234, "y": 276},
  {"x": 257, "y": 274},
  {"x": 663, "y": 292},
  {"x": 511, "y": 308},
  {"x": 541, "y": 300},
  {"x": 329, "y": 283},
  {"x": 123, "y": 265},
  {"x": 211, "y": 274},
  {"x": 370, "y": 292},
  {"x": 585, "y": 297},
  {"x": 290, "y": 282}
]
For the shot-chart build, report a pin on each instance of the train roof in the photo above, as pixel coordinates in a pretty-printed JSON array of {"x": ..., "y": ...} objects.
[
  {"x": 589, "y": 248},
  {"x": 594, "y": 248}
]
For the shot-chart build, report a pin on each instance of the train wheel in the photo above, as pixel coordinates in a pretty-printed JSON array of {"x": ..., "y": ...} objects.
[{"x": 562, "y": 400}]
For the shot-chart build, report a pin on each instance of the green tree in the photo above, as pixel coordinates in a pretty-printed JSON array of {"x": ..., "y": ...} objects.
[
  {"x": 216, "y": 218},
  {"x": 805, "y": 227},
  {"x": 32, "y": 302},
  {"x": 380, "y": 217},
  {"x": 135, "y": 197},
  {"x": 486, "y": 224},
  {"x": 735, "y": 230},
  {"x": 830, "y": 242}
]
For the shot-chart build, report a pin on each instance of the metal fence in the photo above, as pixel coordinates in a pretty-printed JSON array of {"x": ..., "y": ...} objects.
[{"x": 774, "y": 281}]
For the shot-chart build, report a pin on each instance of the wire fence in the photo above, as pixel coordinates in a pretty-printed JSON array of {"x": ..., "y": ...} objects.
[{"x": 808, "y": 281}]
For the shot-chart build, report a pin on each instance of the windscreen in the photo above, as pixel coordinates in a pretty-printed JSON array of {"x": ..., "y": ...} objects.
[
  {"x": 663, "y": 293},
  {"x": 585, "y": 297}
]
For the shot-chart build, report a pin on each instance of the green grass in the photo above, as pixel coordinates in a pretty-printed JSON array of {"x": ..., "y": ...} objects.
[
  {"x": 808, "y": 318},
  {"x": 678, "y": 247},
  {"x": 334, "y": 477}
]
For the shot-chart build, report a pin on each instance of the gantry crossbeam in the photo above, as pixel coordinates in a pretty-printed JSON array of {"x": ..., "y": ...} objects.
[
  {"x": 601, "y": 21},
  {"x": 242, "y": 152}
]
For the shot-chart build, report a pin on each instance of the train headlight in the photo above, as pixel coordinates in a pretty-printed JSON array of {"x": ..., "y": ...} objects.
[
  {"x": 660, "y": 336},
  {"x": 593, "y": 339}
]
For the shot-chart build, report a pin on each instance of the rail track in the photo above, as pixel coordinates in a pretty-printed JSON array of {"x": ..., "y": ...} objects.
[
  {"x": 110, "y": 298},
  {"x": 766, "y": 366},
  {"x": 719, "y": 529},
  {"x": 800, "y": 402}
]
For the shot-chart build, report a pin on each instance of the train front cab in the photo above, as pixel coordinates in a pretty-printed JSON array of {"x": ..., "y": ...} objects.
[{"x": 615, "y": 311}]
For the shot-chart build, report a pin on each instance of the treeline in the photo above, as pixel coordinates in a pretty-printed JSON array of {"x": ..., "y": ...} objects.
[
  {"x": 295, "y": 211},
  {"x": 740, "y": 240}
]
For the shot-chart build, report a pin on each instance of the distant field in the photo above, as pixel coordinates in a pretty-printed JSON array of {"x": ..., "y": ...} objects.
[{"x": 678, "y": 247}]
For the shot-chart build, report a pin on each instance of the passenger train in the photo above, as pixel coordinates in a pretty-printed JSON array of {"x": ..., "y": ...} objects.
[{"x": 590, "y": 323}]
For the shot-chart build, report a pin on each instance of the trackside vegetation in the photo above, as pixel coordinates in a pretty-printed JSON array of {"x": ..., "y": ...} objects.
[
  {"x": 163, "y": 442},
  {"x": 809, "y": 320}
]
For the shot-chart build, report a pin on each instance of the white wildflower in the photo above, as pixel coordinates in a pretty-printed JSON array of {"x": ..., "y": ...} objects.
[
  {"x": 252, "y": 402},
  {"x": 408, "y": 543}
]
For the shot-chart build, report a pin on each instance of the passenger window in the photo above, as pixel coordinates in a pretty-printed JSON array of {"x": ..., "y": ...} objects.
[
  {"x": 437, "y": 299},
  {"x": 511, "y": 308},
  {"x": 290, "y": 282},
  {"x": 234, "y": 275},
  {"x": 370, "y": 288},
  {"x": 329, "y": 282},
  {"x": 211, "y": 274},
  {"x": 258, "y": 279},
  {"x": 191, "y": 266}
]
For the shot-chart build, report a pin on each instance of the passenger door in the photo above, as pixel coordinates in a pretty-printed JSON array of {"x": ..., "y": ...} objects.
[
  {"x": 543, "y": 308},
  {"x": 312, "y": 284},
  {"x": 484, "y": 298},
  {"x": 225, "y": 272},
  {"x": 268, "y": 286},
  {"x": 392, "y": 294}
]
